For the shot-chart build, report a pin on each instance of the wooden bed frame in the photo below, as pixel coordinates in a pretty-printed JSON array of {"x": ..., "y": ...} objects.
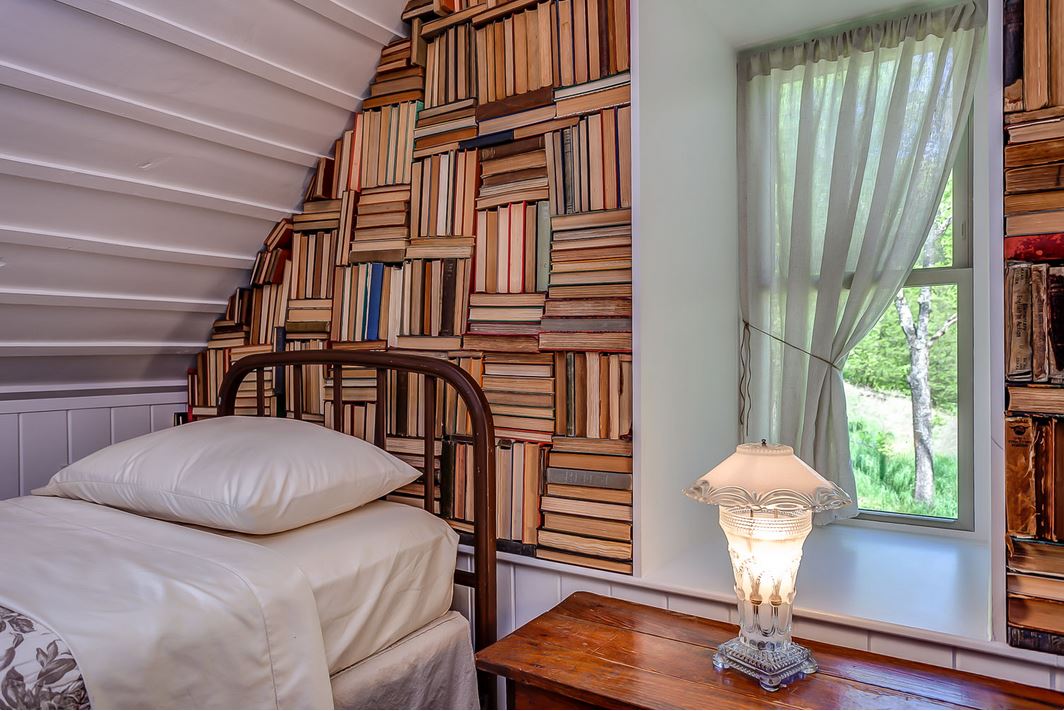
[{"x": 482, "y": 578}]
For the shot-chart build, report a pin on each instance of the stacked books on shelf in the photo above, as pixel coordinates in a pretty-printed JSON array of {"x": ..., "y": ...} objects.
[
  {"x": 367, "y": 302},
  {"x": 478, "y": 210},
  {"x": 381, "y": 228},
  {"x": 512, "y": 249},
  {"x": 1034, "y": 453},
  {"x": 444, "y": 188},
  {"x": 518, "y": 468},
  {"x": 594, "y": 395},
  {"x": 514, "y": 52},
  {"x": 587, "y": 504},
  {"x": 434, "y": 299},
  {"x": 399, "y": 78},
  {"x": 520, "y": 390}
]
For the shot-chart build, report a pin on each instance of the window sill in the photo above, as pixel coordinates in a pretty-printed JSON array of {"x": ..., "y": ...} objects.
[{"x": 854, "y": 575}]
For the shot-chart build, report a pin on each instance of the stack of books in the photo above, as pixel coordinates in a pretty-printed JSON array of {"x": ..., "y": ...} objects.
[
  {"x": 587, "y": 504},
  {"x": 382, "y": 227},
  {"x": 312, "y": 395},
  {"x": 314, "y": 255},
  {"x": 247, "y": 391},
  {"x": 513, "y": 172},
  {"x": 590, "y": 163},
  {"x": 514, "y": 52},
  {"x": 231, "y": 330},
  {"x": 455, "y": 413},
  {"x": 308, "y": 319},
  {"x": 450, "y": 66},
  {"x": 579, "y": 274},
  {"x": 505, "y": 314},
  {"x": 592, "y": 39},
  {"x": 398, "y": 78},
  {"x": 444, "y": 189},
  {"x": 512, "y": 248},
  {"x": 386, "y": 137},
  {"x": 435, "y": 295},
  {"x": 357, "y": 418},
  {"x": 270, "y": 261},
  {"x": 594, "y": 395},
  {"x": 518, "y": 476},
  {"x": 270, "y": 308},
  {"x": 442, "y": 129},
  {"x": 367, "y": 303},
  {"x": 520, "y": 390}
]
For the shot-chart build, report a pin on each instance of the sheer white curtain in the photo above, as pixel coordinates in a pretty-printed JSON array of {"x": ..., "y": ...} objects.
[{"x": 846, "y": 144}]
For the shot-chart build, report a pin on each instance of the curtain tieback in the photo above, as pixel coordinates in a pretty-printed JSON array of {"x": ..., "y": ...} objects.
[
  {"x": 747, "y": 326},
  {"x": 745, "y": 402}
]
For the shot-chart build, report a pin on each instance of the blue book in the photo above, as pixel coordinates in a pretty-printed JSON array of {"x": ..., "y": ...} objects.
[{"x": 373, "y": 320}]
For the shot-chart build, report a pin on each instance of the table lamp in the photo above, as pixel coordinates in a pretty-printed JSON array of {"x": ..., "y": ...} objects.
[{"x": 767, "y": 497}]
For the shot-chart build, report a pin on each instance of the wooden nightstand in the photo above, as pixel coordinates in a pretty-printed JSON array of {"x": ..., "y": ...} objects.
[{"x": 597, "y": 652}]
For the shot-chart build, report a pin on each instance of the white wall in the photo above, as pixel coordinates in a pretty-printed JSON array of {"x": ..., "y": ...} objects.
[
  {"x": 686, "y": 267},
  {"x": 40, "y": 436}
]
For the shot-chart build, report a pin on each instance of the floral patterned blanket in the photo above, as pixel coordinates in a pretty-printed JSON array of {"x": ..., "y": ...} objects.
[{"x": 37, "y": 670}]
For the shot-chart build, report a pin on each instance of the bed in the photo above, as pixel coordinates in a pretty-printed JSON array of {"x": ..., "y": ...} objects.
[{"x": 102, "y": 606}]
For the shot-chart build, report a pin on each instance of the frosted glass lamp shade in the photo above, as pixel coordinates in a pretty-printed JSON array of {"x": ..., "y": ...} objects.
[
  {"x": 767, "y": 477},
  {"x": 767, "y": 497}
]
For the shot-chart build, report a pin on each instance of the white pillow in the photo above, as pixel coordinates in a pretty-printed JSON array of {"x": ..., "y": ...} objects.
[{"x": 247, "y": 474}]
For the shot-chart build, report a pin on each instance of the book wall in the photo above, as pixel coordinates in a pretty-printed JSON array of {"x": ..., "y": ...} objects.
[
  {"x": 478, "y": 210},
  {"x": 1034, "y": 323}
]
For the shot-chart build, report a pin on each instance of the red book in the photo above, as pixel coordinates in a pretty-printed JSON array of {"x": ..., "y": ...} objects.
[{"x": 1035, "y": 248}]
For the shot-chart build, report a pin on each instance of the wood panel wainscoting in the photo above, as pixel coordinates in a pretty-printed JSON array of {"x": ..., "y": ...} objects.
[{"x": 592, "y": 651}]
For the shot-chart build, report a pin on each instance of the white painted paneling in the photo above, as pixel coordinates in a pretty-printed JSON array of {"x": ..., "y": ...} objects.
[
  {"x": 90, "y": 430},
  {"x": 146, "y": 148},
  {"x": 8, "y": 456},
  {"x": 40, "y": 436},
  {"x": 536, "y": 590},
  {"x": 998, "y": 668},
  {"x": 129, "y": 422},
  {"x": 572, "y": 584},
  {"x": 507, "y": 607},
  {"x": 709, "y": 609},
  {"x": 162, "y": 416},
  {"x": 42, "y": 446},
  {"x": 644, "y": 596},
  {"x": 831, "y": 634},
  {"x": 911, "y": 650}
]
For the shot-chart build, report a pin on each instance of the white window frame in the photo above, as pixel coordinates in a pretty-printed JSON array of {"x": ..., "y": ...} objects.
[{"x": 960, "y": 274}]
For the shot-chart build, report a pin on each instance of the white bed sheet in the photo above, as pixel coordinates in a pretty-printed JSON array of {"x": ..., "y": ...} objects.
[{"x": 378, "y": 573}]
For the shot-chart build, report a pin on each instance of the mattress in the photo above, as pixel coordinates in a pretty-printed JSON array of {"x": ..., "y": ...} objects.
[{"x": 378, "y": 573}]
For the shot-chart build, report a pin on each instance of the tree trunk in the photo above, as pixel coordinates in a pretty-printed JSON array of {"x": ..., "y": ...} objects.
[
  {"x": 920, "y": 387},
  {"x": 916, "y": 333}
]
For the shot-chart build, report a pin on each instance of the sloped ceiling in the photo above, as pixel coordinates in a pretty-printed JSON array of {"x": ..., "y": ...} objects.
[{"x": 146, "y": 148}]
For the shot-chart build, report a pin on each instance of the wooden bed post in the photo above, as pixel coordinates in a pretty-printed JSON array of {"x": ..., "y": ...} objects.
[{"x": 483, "y": 577}]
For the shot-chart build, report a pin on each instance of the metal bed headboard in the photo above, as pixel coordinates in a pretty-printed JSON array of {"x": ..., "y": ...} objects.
[{"x": 482, "y": 578}]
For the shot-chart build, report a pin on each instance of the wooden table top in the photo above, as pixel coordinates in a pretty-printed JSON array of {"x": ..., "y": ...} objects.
[{"x": 611, "y": 653}]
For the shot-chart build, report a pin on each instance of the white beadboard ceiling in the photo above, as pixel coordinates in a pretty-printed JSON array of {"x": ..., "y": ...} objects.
[{"x": 146, "y": 148}]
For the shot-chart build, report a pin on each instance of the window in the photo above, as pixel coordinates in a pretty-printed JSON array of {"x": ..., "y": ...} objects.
[{"x": 908, "y": 383}]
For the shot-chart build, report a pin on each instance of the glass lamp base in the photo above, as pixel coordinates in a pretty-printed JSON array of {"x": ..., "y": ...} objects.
[{"x": 772, "y": 668}]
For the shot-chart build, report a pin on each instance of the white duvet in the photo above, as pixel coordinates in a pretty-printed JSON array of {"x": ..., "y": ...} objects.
[{"x": 158, "y": 615}]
